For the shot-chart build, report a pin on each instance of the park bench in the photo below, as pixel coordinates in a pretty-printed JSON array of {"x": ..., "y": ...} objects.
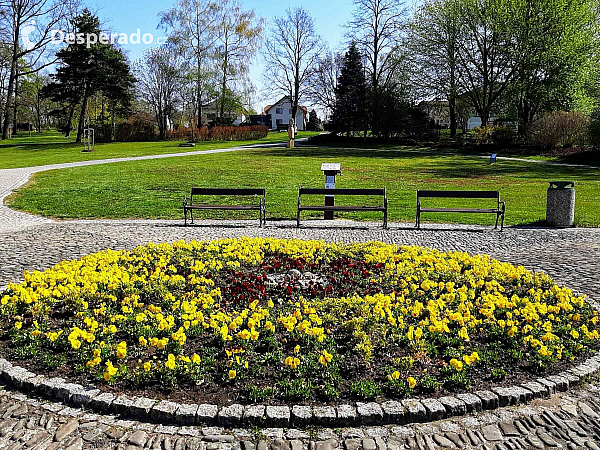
[
  {"x": 498, "y": 210},
  {"x": 189, "y": 205},
  {"x": 338, "y": 192}
]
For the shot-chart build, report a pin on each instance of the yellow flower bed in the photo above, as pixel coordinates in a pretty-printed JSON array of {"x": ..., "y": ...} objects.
[{"x": 387, "y": 320}]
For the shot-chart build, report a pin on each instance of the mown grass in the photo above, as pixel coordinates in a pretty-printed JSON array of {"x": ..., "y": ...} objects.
[
  {"x": 155, "y": 188},
  {"x": 51, "y": 147}
]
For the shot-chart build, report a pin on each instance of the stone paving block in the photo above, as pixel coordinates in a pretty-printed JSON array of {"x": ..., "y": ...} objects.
[
  {"x": 415, "y": 410},
  {"x": 83, "y": 395},
  {"x": 537, "y": 389},
  {"x": 454, "y": 406},
  {"x": 230, "y": 415},
  {"x": 121, "y": 404},
  {"x": 369, "y": 413},
  {"x": 393, "y": 412},
  {"x": 254, "y": 414},
  {"x": 472, "y": 402},
  {"x": 325, "y": 415},
  {"x": 548, "y": 384},
  {"x": 489, "y": 400},
  {"x": 505, "y": 397},
  {"x": 140, "y": 407},
  {"x": 347, "y": 414},
  {"x": 102, "y": 402},
  {"x": 435, "y": 409},
  {"x": 164, "y": 411},
  {"x": 301, "y": 415},
  {"x": 278, "y": 416},
  {"x": 562, "y": 383},
  {"x": 206, "y": 414}
]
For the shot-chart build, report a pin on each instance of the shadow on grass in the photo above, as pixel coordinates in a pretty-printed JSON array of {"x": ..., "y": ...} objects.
[{"x": 41, "y": 146}]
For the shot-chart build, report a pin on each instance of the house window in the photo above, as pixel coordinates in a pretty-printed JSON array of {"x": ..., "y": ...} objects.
[
  {"x": 278, "y": 121},
  {"x": 290, "y": 110},
  {"x": 278, "y": 110}
]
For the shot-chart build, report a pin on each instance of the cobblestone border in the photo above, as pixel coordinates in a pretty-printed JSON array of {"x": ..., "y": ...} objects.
[{"x": 371, "y": 413}]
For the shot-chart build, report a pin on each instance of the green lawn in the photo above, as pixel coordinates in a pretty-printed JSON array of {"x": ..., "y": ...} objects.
[
  {"x": 155, "y": 188},
  {"x": 52, "y": 148}
]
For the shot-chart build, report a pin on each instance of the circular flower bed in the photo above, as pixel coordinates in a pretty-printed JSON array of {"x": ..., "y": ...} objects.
[{"x": 269, "y": 320}]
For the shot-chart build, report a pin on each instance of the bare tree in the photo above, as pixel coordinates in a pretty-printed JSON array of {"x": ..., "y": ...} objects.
[
  {"x": 159, "y": 78},
  {"x": 321, "y": 90},
  {"x": 291, "y": 54},
  {"x": 433, "y": 53},
  {"x": 29, "y": 22},
  {"x": 191, "y": 24},
  {"x": 376, "y": 29},
  {"x": 238, "y": 35},
  {"x": 487, "y": 51}
]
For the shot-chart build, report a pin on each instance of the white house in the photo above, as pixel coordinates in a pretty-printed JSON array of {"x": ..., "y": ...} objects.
[{"x": 281, "y": 113}]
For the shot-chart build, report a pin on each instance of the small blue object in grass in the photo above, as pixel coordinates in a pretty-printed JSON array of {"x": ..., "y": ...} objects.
[{"x": 493, "y": 158}]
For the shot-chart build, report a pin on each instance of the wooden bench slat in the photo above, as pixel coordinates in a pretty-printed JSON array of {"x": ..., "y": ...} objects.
[
  {"x": 227, "y": 191},
  {"x": 458, "y": 194},
  {"x": 465, "y": 210},
  {"x": 341, "y": 208},
  {"x": 342, "y": 191},
  {"x": 228, "y": 207}
]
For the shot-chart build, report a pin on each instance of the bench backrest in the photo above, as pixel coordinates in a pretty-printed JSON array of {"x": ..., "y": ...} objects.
[
  {"x": 227, "y": 191},
  {"x": 459, "y": 194},
  {"x": 323, "y": 191}
]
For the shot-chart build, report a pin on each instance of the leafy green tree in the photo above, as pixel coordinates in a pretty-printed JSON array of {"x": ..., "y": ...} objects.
[
  {"x": 350, "y": 109},
  {"x": 556, "y": 40},
  {"x": 87, "y": 68},
  {"x": 433, "y": 50}
]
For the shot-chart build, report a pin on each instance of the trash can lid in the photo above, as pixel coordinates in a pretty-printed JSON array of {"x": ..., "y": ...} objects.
[{"x": 561, "y": 184}]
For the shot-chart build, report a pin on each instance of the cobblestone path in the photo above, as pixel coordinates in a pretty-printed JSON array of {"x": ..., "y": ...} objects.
[{"x": 568, "y": 421}]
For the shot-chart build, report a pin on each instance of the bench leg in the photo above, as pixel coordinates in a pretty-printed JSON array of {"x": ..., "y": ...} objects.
[
  {"x": 418, "y": 220},
  {"x": 184, "y": 217},
  {"x": 298, "y": 219},
  {"x": 502, "y": 222},
  {"x": 497, "y": 218},
  {"x": 192, "y": 215},
  {"x": 385, "y": 219}
]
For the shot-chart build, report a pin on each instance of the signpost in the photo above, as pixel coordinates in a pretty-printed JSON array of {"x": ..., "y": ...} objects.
[{"x": 330, "y": 170}]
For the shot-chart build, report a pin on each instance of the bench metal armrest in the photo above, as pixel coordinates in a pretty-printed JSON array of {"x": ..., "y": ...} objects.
[
  {"x": 418, "y": 204},
  {"x": 503, "y": 204},
  {"x": 185, "y": 202}
]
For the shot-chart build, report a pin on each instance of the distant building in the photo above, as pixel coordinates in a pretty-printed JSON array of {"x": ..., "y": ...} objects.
[
  {"x": 281, "y": 113},
  {"x": 210, "y": 112}
]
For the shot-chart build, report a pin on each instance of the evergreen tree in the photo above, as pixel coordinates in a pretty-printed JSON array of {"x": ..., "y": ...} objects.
[
  {"x": 314, "y": 123},
  {"x": 350, "y": 110},
  {"x": 87, "y": 68}
]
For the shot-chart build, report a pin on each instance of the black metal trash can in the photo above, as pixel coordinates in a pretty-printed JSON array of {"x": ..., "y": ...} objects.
[{"x": 560, "y": 204}]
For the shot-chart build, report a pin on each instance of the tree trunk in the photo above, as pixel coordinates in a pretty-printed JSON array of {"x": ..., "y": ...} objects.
[
  {"x": 452, "y": 108},
  {"x": 70, "y": 121},
  {"x": 81, "y": 124},
  {"x": 16, "y": 104}
]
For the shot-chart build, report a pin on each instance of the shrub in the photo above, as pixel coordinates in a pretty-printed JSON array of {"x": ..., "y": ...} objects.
[
  {"x": 219, "y": 133},
  {"x": 503, "y": 135},
  {"x": 567, "y": 129},
  {"x": 594, "y": 128},
  {"x": 483, "y": 134}
]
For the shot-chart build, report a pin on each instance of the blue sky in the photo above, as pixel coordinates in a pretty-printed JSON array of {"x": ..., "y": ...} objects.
[{"x": 127, "y": 16}]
